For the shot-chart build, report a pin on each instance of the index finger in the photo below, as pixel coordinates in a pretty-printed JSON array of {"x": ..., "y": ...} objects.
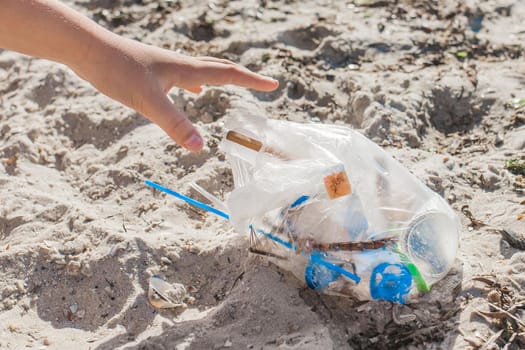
[{"x": 215, "y": 73}]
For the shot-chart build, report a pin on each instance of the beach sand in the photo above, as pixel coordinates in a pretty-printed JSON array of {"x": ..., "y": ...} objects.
[{"x": 433, "y": 82}]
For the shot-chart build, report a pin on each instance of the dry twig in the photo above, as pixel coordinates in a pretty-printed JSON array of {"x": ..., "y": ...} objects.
[
  {"x": 492, "y": 340},
  {"x": 520, "y": 322}
]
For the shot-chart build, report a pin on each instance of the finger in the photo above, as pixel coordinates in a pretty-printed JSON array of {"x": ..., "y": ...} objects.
[
  {"x": 220, "y": 74},
  {"x": 175, "y": 124}
]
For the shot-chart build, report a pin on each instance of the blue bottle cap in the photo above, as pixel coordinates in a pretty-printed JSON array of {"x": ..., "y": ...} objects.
[
  {"x": 318, "y": 276},
  {"x": 390, "y": 282}
]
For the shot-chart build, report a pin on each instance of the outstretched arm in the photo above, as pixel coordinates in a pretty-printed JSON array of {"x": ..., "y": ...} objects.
[{"x": 137, "y": 75}]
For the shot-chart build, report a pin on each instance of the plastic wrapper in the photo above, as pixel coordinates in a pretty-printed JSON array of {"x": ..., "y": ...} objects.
[{"x": 329, "y": 205}]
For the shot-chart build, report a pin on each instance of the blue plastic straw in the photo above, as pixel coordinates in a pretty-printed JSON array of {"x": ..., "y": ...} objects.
[
  {"x": 282, "y": 242},
  {"x": 188, "y": 199},
  {"x": 277, "y": 239},
  {"x": 318, "y": 260}
]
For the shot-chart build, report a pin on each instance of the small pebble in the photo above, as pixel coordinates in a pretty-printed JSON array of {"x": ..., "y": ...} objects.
[
  {"x": 498, "y": 141},
  {"x": 206, "y": 118},
  {"x": 73, "y": 268},
  {"x": 73, "y": 308},
  {"x": 174, "y": 256},
  {"x": 193, "y": 249},
  {"x": 493, "y": 169},
  {"x": 112, "y": 250},
  {"x": 165, "y": 260},
  {"x": 20, "y": 286}
]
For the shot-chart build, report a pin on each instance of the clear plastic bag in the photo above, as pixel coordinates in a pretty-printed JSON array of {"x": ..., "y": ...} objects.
[{"x": 329, "y": 205}]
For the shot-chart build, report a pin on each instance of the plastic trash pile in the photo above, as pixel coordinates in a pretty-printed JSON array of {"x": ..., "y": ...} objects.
[{"x": 329, "y": 205}]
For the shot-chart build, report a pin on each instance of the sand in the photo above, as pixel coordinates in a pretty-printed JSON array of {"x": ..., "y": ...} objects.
[{"x": 433, "y": 82}]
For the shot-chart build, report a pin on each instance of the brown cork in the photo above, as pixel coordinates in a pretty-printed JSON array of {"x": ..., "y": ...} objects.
[{"x": 244, "y": 140}]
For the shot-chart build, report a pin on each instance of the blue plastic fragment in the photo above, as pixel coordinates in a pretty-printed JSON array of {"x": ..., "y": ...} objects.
[
  {"x": 476, "y": 23},
  {"x": 299, "y": 201}
]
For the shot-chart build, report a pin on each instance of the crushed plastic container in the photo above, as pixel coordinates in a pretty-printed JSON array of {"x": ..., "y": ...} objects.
[{"x": 329, "y": 205}]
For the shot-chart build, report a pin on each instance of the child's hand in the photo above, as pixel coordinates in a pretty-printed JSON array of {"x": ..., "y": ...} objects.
[
  {"x": 135, "y": 74},
  {"x": 140, "y": 76}
]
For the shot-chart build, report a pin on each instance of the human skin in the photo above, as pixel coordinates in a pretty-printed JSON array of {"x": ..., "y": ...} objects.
[{"x": 135, "y": 74}]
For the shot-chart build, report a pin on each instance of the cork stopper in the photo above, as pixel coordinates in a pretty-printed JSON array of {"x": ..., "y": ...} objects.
[{"x": 244, "y": 140}]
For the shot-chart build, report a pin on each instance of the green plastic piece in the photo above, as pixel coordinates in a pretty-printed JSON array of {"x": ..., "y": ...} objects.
[
  {"x": 418, "y": 279},
  {"x": 420, "y": 282}
]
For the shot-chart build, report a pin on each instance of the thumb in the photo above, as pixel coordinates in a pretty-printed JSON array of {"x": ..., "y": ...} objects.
[{"x": 164, "y": 113}]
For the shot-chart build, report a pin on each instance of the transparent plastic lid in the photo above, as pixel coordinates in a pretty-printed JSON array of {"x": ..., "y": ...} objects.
[{"x": 431, "y": 243}]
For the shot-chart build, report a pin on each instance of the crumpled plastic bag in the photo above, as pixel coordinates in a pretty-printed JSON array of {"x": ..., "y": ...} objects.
[{"x": 329, "y": 205}]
